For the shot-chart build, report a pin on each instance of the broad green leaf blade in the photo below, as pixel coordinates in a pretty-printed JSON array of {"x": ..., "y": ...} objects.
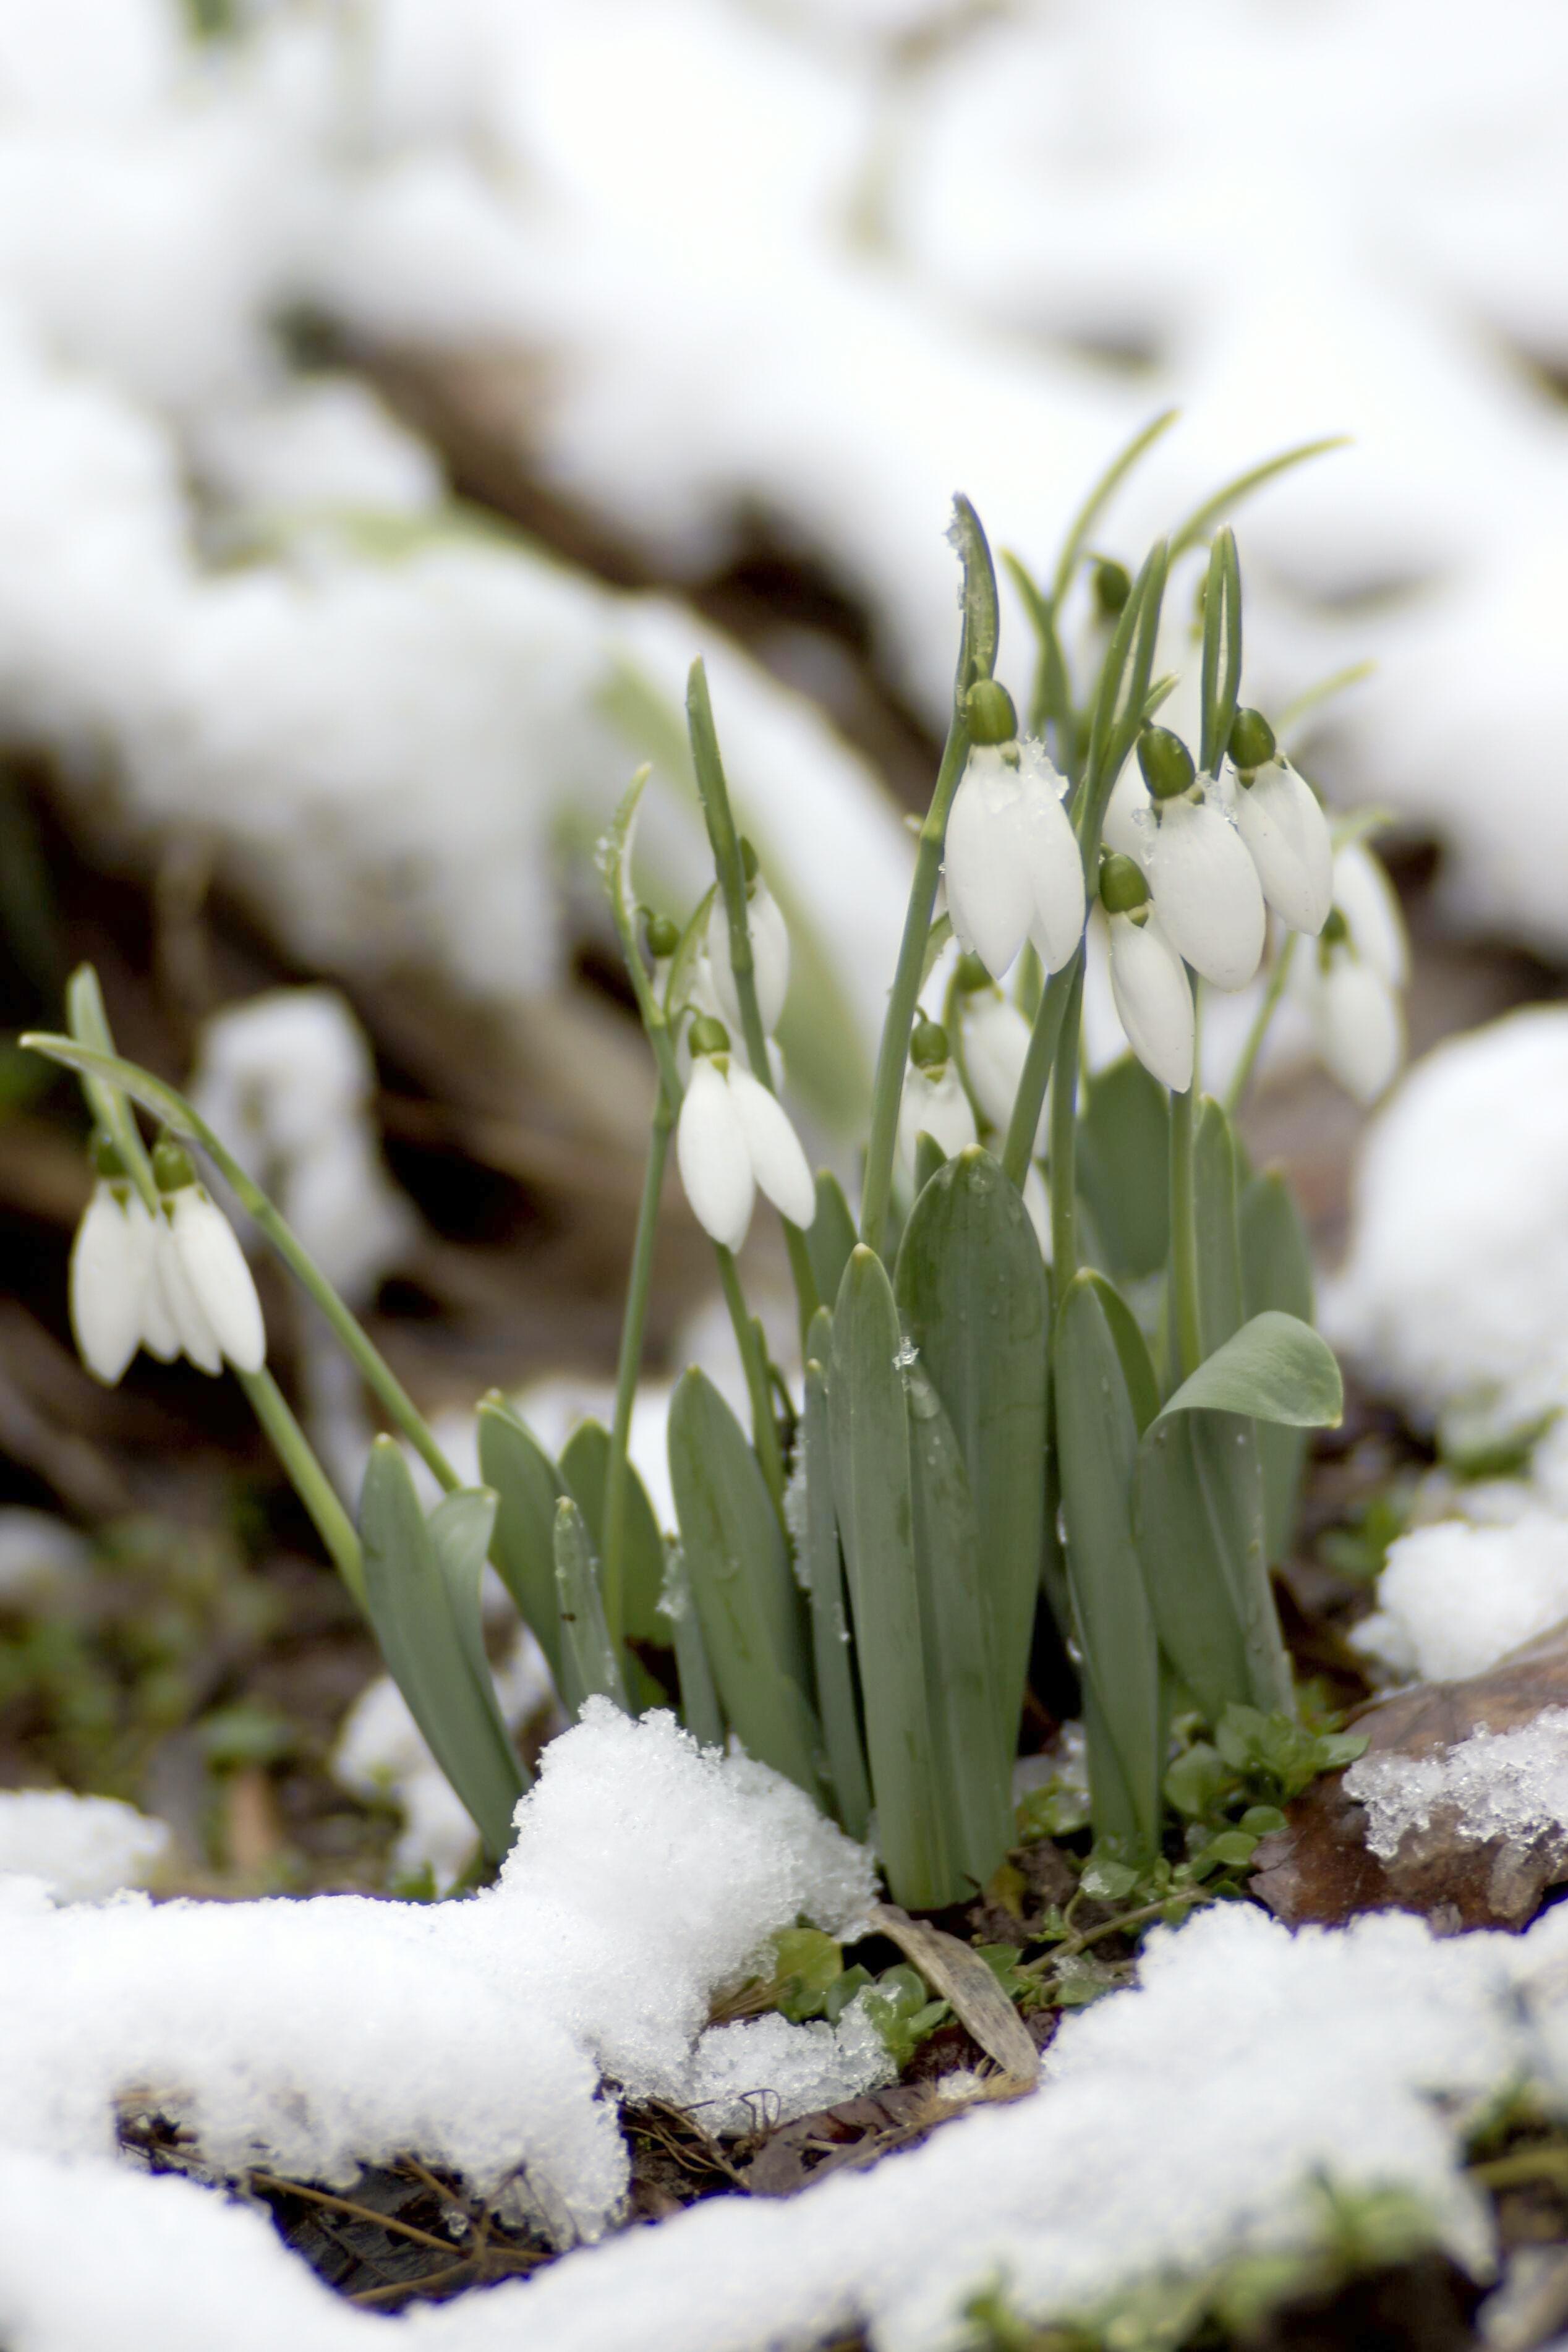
[
  {"x": 1219, "y": 1234},
  {"x": 411, "y": 1607},
  {"x": 1125, "y": 1167},
  {"x": 700, "y": 1709},
  {"x": 1277, "y": 1369},
  {"x": 1199, "y": 1518},
  {"x": 977, "y": 646},
  {"x": 972, "y": 1298},
  {"x": 1097, "y": 1446},
  {"x": 962, "y": 1700},
  {"x": 1133, "y": 1351},
  {"x": 821, "y": 1567},
  {"x": 589, "y": 1655},
  {"x": 585, "y": 1468},
  {"x": 741, "y": 1583},
  {"x": 831, "y": 1234},
  {"x": 1277, "y": 1271},
  {"x": 872, "y": 1489},
  {"x": 528, "y": 1484}
]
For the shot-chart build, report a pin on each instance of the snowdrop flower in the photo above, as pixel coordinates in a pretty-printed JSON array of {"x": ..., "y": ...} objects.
[
  {"x": 1152, "y": 995},
  {"x": 995, "y": 1045},
  {"x": 770, "y": 952},
  {"x": 1206, "y": 887},
  {"x": 1358, "y": 1023},
  {"x": 1365, "y": 896},
  {"x": 110, "y": 1270},
  {"x": 733, "y": 1136},
  {"x": 1280, "y": 819},
  {"x": 200, "y": 1277},
  {"x": 934, "y": 1102},
  {"x": 1012, "y": 864}
]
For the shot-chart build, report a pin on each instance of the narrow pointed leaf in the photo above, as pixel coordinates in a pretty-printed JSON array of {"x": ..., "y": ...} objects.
[
  {"x": 700, "y": 1709},
  {"x": 589, "y": 1655},
  {"x": 821, "y": 1567},
  {"x": 586, "y": 1467},
  {"x": 1215, "y": 1189},
  {"x": 831, "y": 1234},
  {"x": 528, "y": 1486},
  {"x": 1277, "y": 1271},
  {"x": 1124, "y": 1167},
  {"x": 873, "y": 1497},
  {"x": 1096, "y": 1442},
  {"x": 741, "y": 1583},
  {"x": 1133, "y": 1352},
  {"x": 977, "y": 648}
]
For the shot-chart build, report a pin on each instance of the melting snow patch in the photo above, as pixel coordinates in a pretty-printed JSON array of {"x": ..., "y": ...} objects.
[
  {"x": 78, "y": 1847},
  {"x": 1507, "y": 1784}
]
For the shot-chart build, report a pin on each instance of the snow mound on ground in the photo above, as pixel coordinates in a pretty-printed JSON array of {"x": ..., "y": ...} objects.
[
  {"x": 78, "y": 1847},
  {"x": 1455, "y": 1598},
  {"x": 322, "y": 2034}
]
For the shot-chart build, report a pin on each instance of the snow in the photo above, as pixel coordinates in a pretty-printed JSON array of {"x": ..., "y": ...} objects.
[
  {"x": 1455, "y": 1598},
  {"x": 76, "y": 1848},
  {"x": 1512, "y": 1785}
]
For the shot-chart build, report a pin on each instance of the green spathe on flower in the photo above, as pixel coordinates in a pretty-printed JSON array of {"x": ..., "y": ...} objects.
[
  {"x": 734, "y": 1136},
  {"x": 1012, "y": 860}
]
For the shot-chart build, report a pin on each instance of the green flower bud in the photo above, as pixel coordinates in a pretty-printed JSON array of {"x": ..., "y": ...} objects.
[
  {"x": 1166, "y": 762},
  {"x": 972, "y": 974},
  {"x": 929, "y": 1046},
  {"x": 1112, "y": 587},
  {"x": 1123, "y": 889},
  {"x": 172, "y": 1166},
  {"x": 989, "y": 712},
  {"x": 1335, "y": 931},
  {"x": 1251, "y": 742},
  {"x": 663, "y": 935},
  {"x": 708, "y": 1036},
  {"x": 105, "y": 1154}
]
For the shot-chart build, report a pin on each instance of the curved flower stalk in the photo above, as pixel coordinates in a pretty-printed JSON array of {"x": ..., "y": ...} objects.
[
  {"x": 1012, "y": 860},
  {"x": 1281, "y": 821},
  {"x": 1204, "y": 886},
  {"x": 734, "y": 1136},
  {"x": 1152, "y": 995}
]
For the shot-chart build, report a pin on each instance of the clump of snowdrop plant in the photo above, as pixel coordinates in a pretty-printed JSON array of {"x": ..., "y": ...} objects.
[{"x": 1058, "y": 1357}]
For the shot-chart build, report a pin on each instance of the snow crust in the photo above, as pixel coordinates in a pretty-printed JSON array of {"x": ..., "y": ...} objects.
[{"x": 1507, "y": 1784}]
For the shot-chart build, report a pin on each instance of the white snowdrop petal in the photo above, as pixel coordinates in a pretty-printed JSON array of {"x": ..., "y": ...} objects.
[
  {"x": 1037, "y": 1202},
  {"x": 110, "y": 1264},
  {"x": 996, "y": 1043},
  {"x": 1055, "y": 866},
  {"x": 1207, "y": 892},
  {"x": 1359, "y": 1027},
  {"x": 989, "y": 894},
  {"x": 711, "y": 1152},
  {"x": 769, "y": 960},
  {"x": 1365, "y": 897},
  {"x": 938, "y": 1107},
  {"x": 220, "y": 1279},
  {"x": 1153, "y": 999},
  {"x": 160, "y": 1334},
  {"x": 1282, "y": 823},
  {"x": 1128, "y": 814},
  {"x": 778, "y": 1163},
  {"x": 187, "y": 1316}
]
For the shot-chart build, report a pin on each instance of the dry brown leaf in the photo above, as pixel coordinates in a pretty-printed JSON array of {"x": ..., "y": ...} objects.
[
  {"x": 958, "y": 1975},
  {"x": 1318, "y": 1867}
]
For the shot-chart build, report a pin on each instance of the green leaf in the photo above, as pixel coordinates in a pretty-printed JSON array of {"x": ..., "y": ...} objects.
[
  {"x": 422, "y": 1590},
  {"x": 588, "y": 1656},
  {"x": 1276, "y": 1369},
  {"x": 1132, "y": 1351},
  {"x": 1277, "y": 1271},
  {"x": 822, "y": 1570},
  {"x": 929, "y": 1156},
  {"x": 873, "y": 1497},
  {"x": 977, "y": 647},
  {"x": 1097, "y": 1444},
  {"x": 1215, "y": 1192},
  {"x": 1198, "y": 1515},
  {"x": 972, "y": 1298},
  {"x": 699, "y": 1708},
  {"x": 1094, "y": 505},
  {"x": 1124, "y": 1166},
  {"x": 585, "y": 1468},
  {"x": 830, "y": 1236},
  {"x": 1242, "y": 485},
  {"x": 528, "y": 1486},
  {"x": 746, "y": 1601}
]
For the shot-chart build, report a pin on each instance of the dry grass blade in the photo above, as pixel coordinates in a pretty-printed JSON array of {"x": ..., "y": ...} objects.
[{"x": 961, "y": 1977}]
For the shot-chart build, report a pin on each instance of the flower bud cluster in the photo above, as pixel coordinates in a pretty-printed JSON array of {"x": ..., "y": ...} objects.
[{"x": 175, "y": 1282}]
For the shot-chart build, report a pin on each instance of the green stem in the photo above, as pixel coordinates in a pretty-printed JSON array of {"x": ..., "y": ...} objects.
[
  {"x": 754, "y": 1364},
  {"x": 892, "y": 1055},
  {"x": 1241, "y": 1075},
  {"x": 630, "y": 1363},
  {"x": 313, "y": 1485},
  {"x": 1184, "y": 1235},
  {"x": 1064, "y": 1138},
  {"x": 725, "y": 844},
  {"x": 1035, "y": 1075}
]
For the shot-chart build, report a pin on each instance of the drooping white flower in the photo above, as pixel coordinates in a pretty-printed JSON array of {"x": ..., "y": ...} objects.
[
  {"x": 187, "y": 1318},
  {"x": 1154, "y": 997},
  {"x": 934, "y": 1104},
  {"x": 733, "y": 1136},
  {"x": 1281, "y": 820},
  {"x": 1012, "y": 864},
  {"x": 110, "y": 1270},
  {"x": 1205, "y": 888},
  {"x": 995, "y": 1046},
  {"x": 1365, "y": 897},
  {"x": 1357, "y": 1022},
  {"x": 1128, "y": 813},
  {"x": 217, "y": 1278},
  {"x": 769, "y": 958}
]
